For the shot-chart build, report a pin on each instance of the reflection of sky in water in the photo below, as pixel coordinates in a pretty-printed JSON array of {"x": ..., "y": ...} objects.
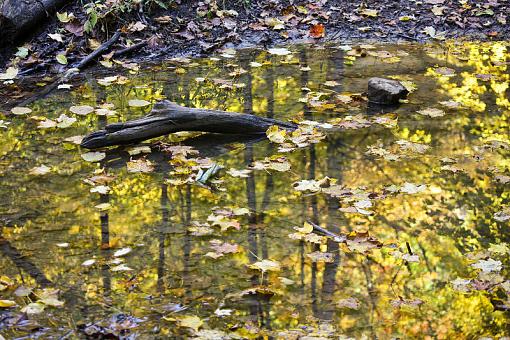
[{"x": 162, "y": 219}]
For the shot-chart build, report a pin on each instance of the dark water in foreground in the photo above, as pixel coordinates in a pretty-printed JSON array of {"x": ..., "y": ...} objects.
[{"x": 420, "y": 200}]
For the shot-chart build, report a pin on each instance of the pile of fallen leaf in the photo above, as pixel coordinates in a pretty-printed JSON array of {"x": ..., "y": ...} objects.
[{"x": 182, "y": 29}]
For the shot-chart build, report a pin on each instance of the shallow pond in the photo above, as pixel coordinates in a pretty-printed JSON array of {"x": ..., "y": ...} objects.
[{"x": 126, "y": 242}]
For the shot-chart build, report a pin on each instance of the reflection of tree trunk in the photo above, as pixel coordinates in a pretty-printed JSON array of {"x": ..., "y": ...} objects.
[
  {"x": 252, "y": 205},
  {"x": 269, "y": 178},
  {"x": 105, "y": 246},
  {"x": 334, "y": 157},
  {"x": 330, "y": 269},
  {"x": 21, "y": 262},
  {"x": 162, "y": 237},
  {"x": 315, "y": 219},
  {"x": 105, "y": 229},
  {"x": 265, "y": 203},
  {"x": 187, "y": 243},
  {"x": 256, "y": 311},
  {"x": 372, "y": 294},
  {"x": 311, "y": 175}
]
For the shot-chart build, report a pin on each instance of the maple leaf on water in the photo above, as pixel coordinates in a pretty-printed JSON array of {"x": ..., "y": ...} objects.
[
  {"x": 200, "y": 229},
  {"x": 257, "y": 290},
  {"x": 406, "y": 302},
  {"x": 432, "y": 112},
  {"x": 351, "y": 122},
  {"x": 306, "y": 234},
  {"x": 451, "y": 104},
  {"x": 445, "y": 71},
  {"x": 503, "y": 215},
  {"x": 411, "y": 188},
  {"x": 221, "y": 248},
  {"x": 407, "y": 257},
  {"x": 190, "y": 321},
  {"x": 461, "y": 284},
  {"x": 318, "y": 256},
  {"x": 175, "y": 150},
  {"x": 350, "y": 302},
  {"x": 503, "y": 179},
  {"x": 277, "y": 163},
  {"x": 312, "y": 185},
  {"x": 49, "y": 297},
  {"x": 488, "y": 266},
  {"x": 223, "y": 222},
  {"x": 362, "y": 242},
  {"x": 413, "y": 147},
  {"x": 122, "y": 252},
  {"x": 140, "y": 165},
  {"x": 452, "y": 168}
]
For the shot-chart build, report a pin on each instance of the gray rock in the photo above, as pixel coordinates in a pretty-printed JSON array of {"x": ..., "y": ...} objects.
[{"x": 385, "y": 91}]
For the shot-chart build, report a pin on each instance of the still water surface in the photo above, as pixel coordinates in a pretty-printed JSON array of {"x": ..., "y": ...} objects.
[{"x": 431, "y": 189}]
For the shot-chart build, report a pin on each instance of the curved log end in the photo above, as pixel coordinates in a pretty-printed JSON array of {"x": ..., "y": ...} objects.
[{"x": 95, "y": 140}]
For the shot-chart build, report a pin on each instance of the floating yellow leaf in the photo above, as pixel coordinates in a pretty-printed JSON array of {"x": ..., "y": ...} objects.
[
  {"x": 19, "y": 110},
  {"x": 306, "y": 229},
  {"x": 279, "y": 51},
  {"x": 266, "y": 265},
  {"x": 138, "y": 102},
  {"x": 81, "y": 110},
  {"x": 93, "y": 156},
  {"x": 7, "y": 303},
  {"x": 191, "y": 321},
  {"x": 33, "y": 308},
  {"x": 431, "y": 112},
  {"x": 140, "y": 165},
  {"x": 40, "y": 170},
  {"x": 276, "y": 135}
]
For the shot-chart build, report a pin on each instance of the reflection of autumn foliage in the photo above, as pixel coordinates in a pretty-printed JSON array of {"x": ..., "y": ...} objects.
[
  {"x": 416, "y": 196},
  {"x": 486, "y": 77}
]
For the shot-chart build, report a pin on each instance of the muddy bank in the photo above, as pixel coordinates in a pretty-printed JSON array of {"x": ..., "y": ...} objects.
[{"x": 164, "y": 29}]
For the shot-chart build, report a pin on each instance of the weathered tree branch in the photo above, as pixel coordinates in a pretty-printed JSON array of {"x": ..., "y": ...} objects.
[
  {"x": 167, "y": 117},
  {"x": 99, "y": 51},
  {"x": 105, "y": 47}
]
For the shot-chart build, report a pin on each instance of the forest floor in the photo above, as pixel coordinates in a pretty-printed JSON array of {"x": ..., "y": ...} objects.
[{"x": 164, "y": 31}]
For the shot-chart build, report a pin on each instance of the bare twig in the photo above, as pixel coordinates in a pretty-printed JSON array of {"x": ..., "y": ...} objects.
[
  {"x": 99, "y": 51},
  {"x": 130, "y": 49},
  {"x": 336, "y": 238},
  {"x": 70, "y": 73}
]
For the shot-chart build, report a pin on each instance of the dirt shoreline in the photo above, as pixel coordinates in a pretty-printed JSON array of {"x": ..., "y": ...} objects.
[{"x": 201, "y": 29}]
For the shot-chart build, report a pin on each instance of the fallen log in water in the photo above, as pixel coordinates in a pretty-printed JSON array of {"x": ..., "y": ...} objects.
[{"x": 167, "y": 117}]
